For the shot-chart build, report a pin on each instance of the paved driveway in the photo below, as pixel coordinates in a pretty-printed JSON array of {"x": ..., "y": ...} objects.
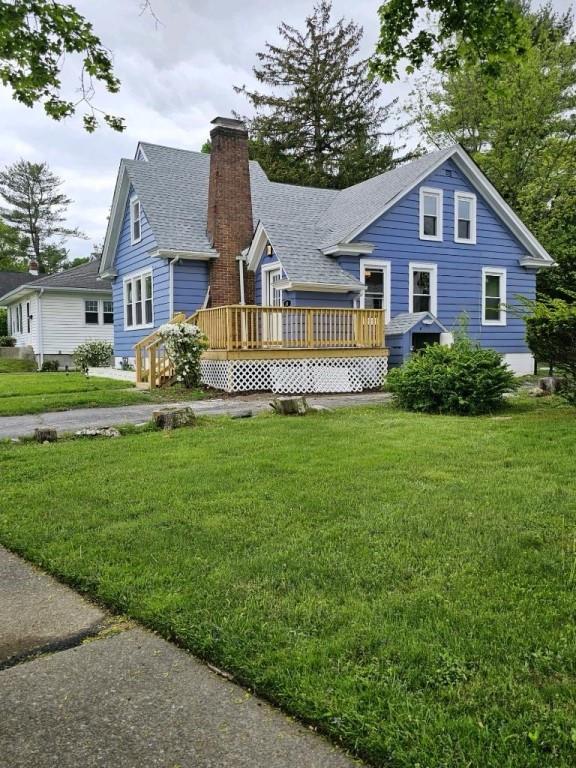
[{"x": 70, "y": 421}]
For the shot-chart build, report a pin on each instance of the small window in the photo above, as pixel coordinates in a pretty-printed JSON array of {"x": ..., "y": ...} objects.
[
  {"x": 464, "y": 217},
  {"x": 135, "y": 220},
  {"x": 91, "y": 312},
  {"x": 108, "y": 312},
  {"x": 28, "y": 318},
  {"x": 422, "y": 295},
  {"x": 423, "y": 288},
  {"x": 19, "y": 323},
  {"x": 430, "y": 214},
  {"x": 374, "y": 295},
  {"x": 148, "y": 299},
  {"x": 494, "y": 297}
]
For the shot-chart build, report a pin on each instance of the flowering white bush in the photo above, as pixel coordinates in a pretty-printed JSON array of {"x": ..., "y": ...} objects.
[
  {"x": 184, "y": 345},
  {"x": 92, "y": 354}
]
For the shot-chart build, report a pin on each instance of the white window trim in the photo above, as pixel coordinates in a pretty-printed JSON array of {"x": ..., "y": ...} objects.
[
  {"x": 387, "y": 267},
  {"x": 438, "y": 193},
  {"x": 131, "y": 278},
  {"x": 501, "y": 273},
  {"x": 133, "y": 201},
  {"x": 274, "y": 266},
  {"x": 472, "y": 198},
  {"x": 98, "y": 310},
  {"x": 433, "y": 269}
]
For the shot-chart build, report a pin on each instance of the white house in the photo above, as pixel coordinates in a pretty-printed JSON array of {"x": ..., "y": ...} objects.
[{"x": 53, "y": 314}]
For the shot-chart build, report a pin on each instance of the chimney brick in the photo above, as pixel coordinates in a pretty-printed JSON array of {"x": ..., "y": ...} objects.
[{"x": 230, "y": 224}]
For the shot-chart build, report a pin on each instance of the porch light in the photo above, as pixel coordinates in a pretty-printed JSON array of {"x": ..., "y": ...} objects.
[{"x": 269, "y": 249}]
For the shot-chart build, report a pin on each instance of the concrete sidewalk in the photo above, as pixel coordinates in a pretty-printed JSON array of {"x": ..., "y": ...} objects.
[
  {"x": 126, "y": 700},
  {"x": 70, "y": 421}
]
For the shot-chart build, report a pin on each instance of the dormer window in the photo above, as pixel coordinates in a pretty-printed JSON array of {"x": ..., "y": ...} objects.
[
  {"x": 430, "y": 214},
  {"x": 135, "y": 221},
  {"x": 464, "y": 217}
]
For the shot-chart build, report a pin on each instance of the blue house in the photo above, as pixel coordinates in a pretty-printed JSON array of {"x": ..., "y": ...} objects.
[{"x": 305, "y": 289}]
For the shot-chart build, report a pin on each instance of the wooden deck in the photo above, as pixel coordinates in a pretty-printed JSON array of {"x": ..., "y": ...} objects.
[{"x": 242, "y": 332}]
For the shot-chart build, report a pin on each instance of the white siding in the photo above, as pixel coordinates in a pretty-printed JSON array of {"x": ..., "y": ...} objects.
[
  {"x": 63, "y": 322},
  {"x": 25, "y": 339}
]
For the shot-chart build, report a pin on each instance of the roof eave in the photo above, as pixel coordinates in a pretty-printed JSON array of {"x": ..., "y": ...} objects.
[
  {"x": 168, "y": 253},
  {"x": 300, "y": 285},
  {"x": 115, "y": 220}
]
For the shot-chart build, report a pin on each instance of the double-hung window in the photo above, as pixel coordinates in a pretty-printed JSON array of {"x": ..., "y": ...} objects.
[
  {"x": 138, "y": 300},
  {"x": 135, "y": 221},
  {"x": 493, "y": 296},
  {"x": 430, "y": 214},
  {"x": 107, "y": 312},
  {"x": 375, "y": 275},
  {"x": 464, "y": 217},
  {"x": 19, "y": 323},
  {"x": 91, "y": 311},
  {"x": 423, "y": 288}
]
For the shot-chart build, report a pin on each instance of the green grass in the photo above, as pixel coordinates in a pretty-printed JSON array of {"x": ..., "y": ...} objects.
[
  {"x": 9, "y": 365},
  {"x": 406, "y": 582},
  {"x": 24, "y": 393}
]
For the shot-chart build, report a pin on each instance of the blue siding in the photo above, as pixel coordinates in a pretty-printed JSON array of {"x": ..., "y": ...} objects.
[
  {"x": 395, "y": 236},
  {"x": 133, "y": 258},
  {"x": 190, "y": 285},
  {"x": 265, "y": 260},
  {"x": 320, "y": 299}
]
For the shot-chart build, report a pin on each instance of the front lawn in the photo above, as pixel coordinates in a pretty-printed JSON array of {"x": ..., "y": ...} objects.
[
  {"x": 22, "y": 393},
  {"x": 15, "y": 365},
  {"x": 405, "y": 582}
]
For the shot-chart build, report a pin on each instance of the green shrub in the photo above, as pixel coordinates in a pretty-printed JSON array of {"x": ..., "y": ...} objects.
[
  {"x": 3, "y": 322},
  {"x": 50, "y": 366},
  {"x": 7, "y": 341},
  {"x": 551, "y": 335},
  {"x": 92, "y": 354},
  {"x": 462, "y": 379}
]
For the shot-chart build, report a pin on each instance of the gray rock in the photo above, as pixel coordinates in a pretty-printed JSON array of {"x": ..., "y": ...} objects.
[
  {"x": 290, "y": 406},
  {"x": 98, "y": 432}
]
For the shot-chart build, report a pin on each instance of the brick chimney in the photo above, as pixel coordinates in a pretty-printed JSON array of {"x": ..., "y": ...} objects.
[
  {"x": 33, "y": 267},
  {"x": 229, "y": 209}
]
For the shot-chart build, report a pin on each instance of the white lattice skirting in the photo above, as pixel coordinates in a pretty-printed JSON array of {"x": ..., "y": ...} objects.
[{"x": 300, "y": 376}]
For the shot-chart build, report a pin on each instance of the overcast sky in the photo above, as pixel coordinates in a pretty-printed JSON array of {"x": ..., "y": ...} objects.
[{"x": 176, "y": 76}]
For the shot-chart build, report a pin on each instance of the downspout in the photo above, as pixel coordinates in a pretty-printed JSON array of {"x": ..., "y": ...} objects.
[
  {"x": 171, "y": 286},
  {"x": 241, "y": 276},
  {"x": 40, "y": 330}
]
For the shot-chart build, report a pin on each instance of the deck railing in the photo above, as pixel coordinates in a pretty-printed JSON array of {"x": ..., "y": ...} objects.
[
  {"x": 241, "y": 327},
  {"x": 252, "y": 327}
]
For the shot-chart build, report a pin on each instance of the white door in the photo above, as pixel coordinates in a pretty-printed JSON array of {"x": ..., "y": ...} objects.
[{"x": 272, "y": 297}]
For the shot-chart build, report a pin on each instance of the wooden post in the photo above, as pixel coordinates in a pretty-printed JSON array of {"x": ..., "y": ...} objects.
[
  {"x": 152, "y": 366},
  {"x": 228, "y": 329},
  {"x": 309, "y": 329},
  {"x": 138, "y": 364}
]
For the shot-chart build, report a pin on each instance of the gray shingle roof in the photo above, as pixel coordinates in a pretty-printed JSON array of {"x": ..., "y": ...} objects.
[
  {"x": 85, "y": 276},
  {"x": 405, "y": 321},
  {"x": 11, "y": 280},
  {"x": 172, "y": 185}
]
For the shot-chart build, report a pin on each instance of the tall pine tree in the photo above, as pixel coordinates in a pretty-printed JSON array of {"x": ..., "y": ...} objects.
[
  {"x": 36, "y": 208},
  {"x": 320, "y": 120}
]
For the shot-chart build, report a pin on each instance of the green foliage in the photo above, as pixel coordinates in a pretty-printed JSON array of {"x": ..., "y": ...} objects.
[
  {"x": 463, "y": 379},
  {"x": 184, "y": 345},
  {"x": 320, "y": 121},
  {"x": 50, "y": 366},
  {"x": 92, "y": 354},
  {"x": 551, "y": 335},
  {"x": 3, "y": 321},
  {"x": 13, "y": 249},
  {"x": 519, "y": 128},
  {"x": 7, "y": 341},
  {"x": 36, "y": 210},
  {"x": 487, "y": 32},
  {"x": 35, "y": 38},
  {"x": 405, "y": 582}
]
